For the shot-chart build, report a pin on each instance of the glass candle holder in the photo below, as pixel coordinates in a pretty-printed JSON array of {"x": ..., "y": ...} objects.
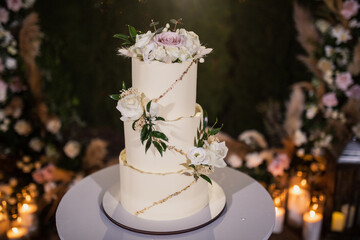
[{"x": 279, "y": 197}]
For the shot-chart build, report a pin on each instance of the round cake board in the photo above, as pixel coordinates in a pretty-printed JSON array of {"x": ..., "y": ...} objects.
[{"x": 118, "y": 215}]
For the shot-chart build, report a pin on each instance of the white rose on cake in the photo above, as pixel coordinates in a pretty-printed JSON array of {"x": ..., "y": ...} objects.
[
  {"x": 130, "y": 106},
  {"x": 143, "y": 39},
  {"x": 217, "y": 152},
  {"x": 198, "y": 156}
]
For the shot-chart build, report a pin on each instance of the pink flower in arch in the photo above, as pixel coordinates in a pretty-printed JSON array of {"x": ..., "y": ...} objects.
[
  {"x": 343, "y": 80},
  {"x": 354, "y": 92},
  {"x": 4, "y": 15},
  {"x": 330, "y": 100},
  {"x": 276, "y": 168},
  {"x": 350, "y": 8},
  {"x": 14, "y": 5}
]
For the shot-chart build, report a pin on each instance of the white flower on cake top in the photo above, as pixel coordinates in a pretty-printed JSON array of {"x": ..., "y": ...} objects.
[{"x": 163, "y": 45}]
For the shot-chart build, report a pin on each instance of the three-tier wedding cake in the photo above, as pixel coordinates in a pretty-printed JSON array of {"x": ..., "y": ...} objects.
[{"x": 169, "y": 151}]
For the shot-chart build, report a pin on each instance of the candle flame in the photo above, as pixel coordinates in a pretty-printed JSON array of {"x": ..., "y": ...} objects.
[
  {"x": 277, "y": 201},
  {"x": 303, "y": 182},
  {"x": 276, "y": 209},
  {"x": 296, "y": 189},
  {"x": 315, "y": 206},
  {"x": 28, "y": 198},
  {"x": 19, "y": 219},
  {"x": 25, "y": 206},
  {"x": 15, "y": 230},
  {"x": 312, "y": 213}
]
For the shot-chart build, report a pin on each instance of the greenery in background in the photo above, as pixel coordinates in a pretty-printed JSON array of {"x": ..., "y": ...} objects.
[{"x": 254, "y": 56}]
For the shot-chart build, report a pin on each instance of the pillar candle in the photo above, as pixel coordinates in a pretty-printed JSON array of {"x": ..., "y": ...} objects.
[
  {"x": 337, "y": 222},
  {"x": 16, "y": 233},
  {"x": 4, "y": 223},
  {"x": 298, "y": 203},
  {"x": 312, "y": 225},
  {"x": 27, "y": 212},
  {"x": 279, "y": 219}
]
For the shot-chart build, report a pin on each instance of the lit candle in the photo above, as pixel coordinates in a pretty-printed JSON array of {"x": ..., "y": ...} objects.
[
  {"x": 337, "y": 222},
  {"x": 4, "y": 223},
  {"x": 27, "y": 214},
  {"x": 279, "y": 219},
  {"x": 298, "y": 203},
  {"x": 16, "y": 233},
  {"x": 312, "y": 225}
]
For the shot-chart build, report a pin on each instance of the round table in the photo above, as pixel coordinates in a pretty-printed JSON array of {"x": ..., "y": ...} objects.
[{"x": 249, "y": 213}]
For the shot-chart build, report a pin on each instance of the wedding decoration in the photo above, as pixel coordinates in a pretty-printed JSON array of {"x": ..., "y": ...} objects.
[{"x": 39, "y": 163}]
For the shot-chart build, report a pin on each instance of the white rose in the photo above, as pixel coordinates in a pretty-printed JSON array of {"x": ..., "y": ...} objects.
[
  {"x": 149, "y": 52},
  {"x": 130, "y": 107},
  {"x": 192, "y": 42},
  {"x": 36, "y": 144},
  {"x": 173, "y": 53},
  {"x": 143, "y": 39},
  {"x": 22, "y": 128},
  {"x": 253, "y": 160},
  {"x": 125, "y": 52},
  {"x": 72, "y": 149},
  {"x": 53, "y": 125},
  {"x": 10, "y": 63},
  {"x": 154, "y": 109},
  {"x": 299, "y": 138},
  {"x": 217, "y": 152},
  {"x": 184, "y": 54},
  {"x": 311, "y": 112},
  {"x": 160, "y": 53},
  {"x": 198, "y": 156},
  {"x": 3, "y": 91}
]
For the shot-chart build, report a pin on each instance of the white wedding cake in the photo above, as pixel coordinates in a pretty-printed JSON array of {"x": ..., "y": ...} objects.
[{"x": 168, "y": 152}]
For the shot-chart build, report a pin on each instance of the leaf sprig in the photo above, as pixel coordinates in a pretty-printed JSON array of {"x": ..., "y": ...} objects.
[
  {"x": 150, "y": 135},
  {"x": 203, "y": 134},
  {"x": 128, "y": 39},
  {"x": 197, "y": 175}
]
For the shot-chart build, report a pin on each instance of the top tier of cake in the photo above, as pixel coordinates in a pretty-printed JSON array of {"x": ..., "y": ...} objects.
[{"x": 154, "y": 78}]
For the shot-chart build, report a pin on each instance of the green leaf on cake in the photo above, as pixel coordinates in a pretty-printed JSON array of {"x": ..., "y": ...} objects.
[
  {"x": 157, "y": 134},
  {"x": 121, "y": 36},
  {"x": 133, "y": 125},
  {"x": 153, "y": 24},
  {"x": 123, "y": 85},
  {"x": 158, "y": 147},
  {"x": 160, "y": 119},
  {"x": 132, "y": 32},
  {"x": 148, "y": 144},
  {"x": 144, "y": 133},
  {"x": 173, "y": 21},
  {"x": 148, "y": 106},
  {"x": 163, "y": 146},
  {"x": 215, "y": 130},
  {"x": 206, "y": 178},
  {"x": 115, "y": 97}
]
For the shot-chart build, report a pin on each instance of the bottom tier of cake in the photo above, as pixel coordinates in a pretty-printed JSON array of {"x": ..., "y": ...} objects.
[{"x": 160, "y": 196}]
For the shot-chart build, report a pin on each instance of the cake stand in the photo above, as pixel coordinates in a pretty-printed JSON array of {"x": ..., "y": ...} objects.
[{"x": 249, "y": 213}]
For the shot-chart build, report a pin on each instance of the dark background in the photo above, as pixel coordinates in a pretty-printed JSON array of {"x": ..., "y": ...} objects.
[{"x": 254, "y": 57}]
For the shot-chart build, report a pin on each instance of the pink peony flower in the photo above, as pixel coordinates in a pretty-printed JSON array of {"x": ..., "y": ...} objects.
[
  {"x": 354, "y": 92},
  {"x": 276, "y": 168},
  {"x": 343, "y": 80},
  {"x": 169, "y": 39},
  {"x": 16, "y": 85},
  {"x": 350, "y": 9},
  {"x": 4, "y": 15},
  {"x": 14, "y": 5},
  {"x": 283, "y": 159},
  {"x": 330, "y": 100}
]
